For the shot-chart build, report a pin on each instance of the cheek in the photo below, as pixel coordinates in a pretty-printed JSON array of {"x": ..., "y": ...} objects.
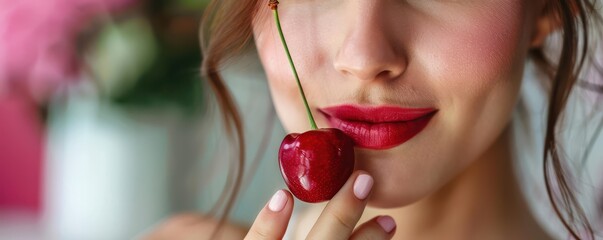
[
  {"x": 269, "y": 49},
  {"x": 307, "y": 47},
  {"x": 284, "y": 92},
  {"x": 477, "y": 55},
  {"x": 475, "y": 66},
  {"x": 479, "y": 73}
]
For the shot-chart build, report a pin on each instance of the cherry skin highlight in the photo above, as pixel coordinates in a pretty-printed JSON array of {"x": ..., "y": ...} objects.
[{"x": 317, "y": 163}]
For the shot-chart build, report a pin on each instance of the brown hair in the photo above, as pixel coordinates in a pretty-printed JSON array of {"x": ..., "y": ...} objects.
[
  {"x": 575, "y": 16},
  {"x": 226, "y": 31}
]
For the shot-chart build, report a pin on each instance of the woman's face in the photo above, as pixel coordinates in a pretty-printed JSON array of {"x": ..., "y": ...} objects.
[{"x": 462, "y": 60}]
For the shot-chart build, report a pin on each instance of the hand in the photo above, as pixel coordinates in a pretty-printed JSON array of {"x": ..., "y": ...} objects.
[
  {"x": 193, "y": 226},
  {"x": 337, "y": 220}
]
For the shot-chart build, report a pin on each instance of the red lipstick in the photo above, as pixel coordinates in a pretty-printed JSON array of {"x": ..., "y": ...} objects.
[{"x": 378, "y": 127}]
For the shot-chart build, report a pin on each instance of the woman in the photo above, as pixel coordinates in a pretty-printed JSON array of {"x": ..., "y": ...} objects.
[{"x": 461, "y": 61}]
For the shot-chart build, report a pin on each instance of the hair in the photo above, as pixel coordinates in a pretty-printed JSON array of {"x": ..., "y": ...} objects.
[{"x": 227, "y": 30}]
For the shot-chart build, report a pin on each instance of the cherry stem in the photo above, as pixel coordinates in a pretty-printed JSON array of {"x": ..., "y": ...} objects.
[{"x": 273, "y": 5}]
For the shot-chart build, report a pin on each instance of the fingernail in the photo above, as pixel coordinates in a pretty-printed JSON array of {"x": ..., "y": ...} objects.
[
  {"x": 387, "y": 223},
  {"x": 362, "y": 186},
  {"x": 278, "y": 201}
]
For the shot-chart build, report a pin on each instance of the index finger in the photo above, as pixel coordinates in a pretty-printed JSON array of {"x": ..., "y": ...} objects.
[{"x": 340, "y": 216}]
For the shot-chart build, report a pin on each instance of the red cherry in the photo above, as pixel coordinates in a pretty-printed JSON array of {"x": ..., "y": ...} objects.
[{"x": 317, "y": 163}]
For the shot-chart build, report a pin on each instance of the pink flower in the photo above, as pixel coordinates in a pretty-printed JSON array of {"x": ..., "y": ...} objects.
[{"x": 38, "y": 41}]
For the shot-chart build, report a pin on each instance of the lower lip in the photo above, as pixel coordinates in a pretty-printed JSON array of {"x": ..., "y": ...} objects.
[{"x": 380, "y": 136}]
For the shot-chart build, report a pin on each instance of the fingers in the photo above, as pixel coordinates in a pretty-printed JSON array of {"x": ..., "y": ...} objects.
[
  {"x": 272, "y": 221},
  {"x": 338, "y": 219},
  {"x": 382, "y": 227}
]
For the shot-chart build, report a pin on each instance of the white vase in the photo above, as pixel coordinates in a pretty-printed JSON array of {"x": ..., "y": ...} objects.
[{"x": 109, "y": 170}]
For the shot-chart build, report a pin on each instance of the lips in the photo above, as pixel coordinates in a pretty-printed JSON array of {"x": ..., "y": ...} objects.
[{"x": 380, "y": 127}]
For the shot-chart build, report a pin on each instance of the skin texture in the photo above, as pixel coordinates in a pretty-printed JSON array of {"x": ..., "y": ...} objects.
[
  {"x": 464, "y": 58},
  {"x": 454, "y": 180}
]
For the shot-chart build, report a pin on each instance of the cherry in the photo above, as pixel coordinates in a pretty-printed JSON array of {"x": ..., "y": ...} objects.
[{"x": 317, "y": 163}]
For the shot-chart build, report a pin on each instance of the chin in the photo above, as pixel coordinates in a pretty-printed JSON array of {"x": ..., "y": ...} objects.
[
  {"x": 393, "y": 188},
  {"x": 382, "y": 198},
  {"x": 376, "y": 201}
]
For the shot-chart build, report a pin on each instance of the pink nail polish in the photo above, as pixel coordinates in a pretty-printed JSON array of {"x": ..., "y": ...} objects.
[
  {"x": 387, "y": 223},
  {"x": 278, "y": 201},
  {"x": 362, "y": 186}
]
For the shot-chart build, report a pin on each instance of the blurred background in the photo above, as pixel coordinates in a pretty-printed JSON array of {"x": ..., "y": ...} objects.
[{"x": 104, "y": 121}]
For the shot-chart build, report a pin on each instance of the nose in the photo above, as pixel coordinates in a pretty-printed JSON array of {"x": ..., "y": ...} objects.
[{"x": 369, "y": 50}]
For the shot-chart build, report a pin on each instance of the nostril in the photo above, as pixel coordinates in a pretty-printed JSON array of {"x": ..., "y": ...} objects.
[
  {"x": 370, "y": 73},
  {"x": 388, "y": 74},
  {"x": 368, "y": 62}
]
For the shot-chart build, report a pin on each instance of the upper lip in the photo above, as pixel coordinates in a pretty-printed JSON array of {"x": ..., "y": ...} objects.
[{"x": 376, "y": 114}]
